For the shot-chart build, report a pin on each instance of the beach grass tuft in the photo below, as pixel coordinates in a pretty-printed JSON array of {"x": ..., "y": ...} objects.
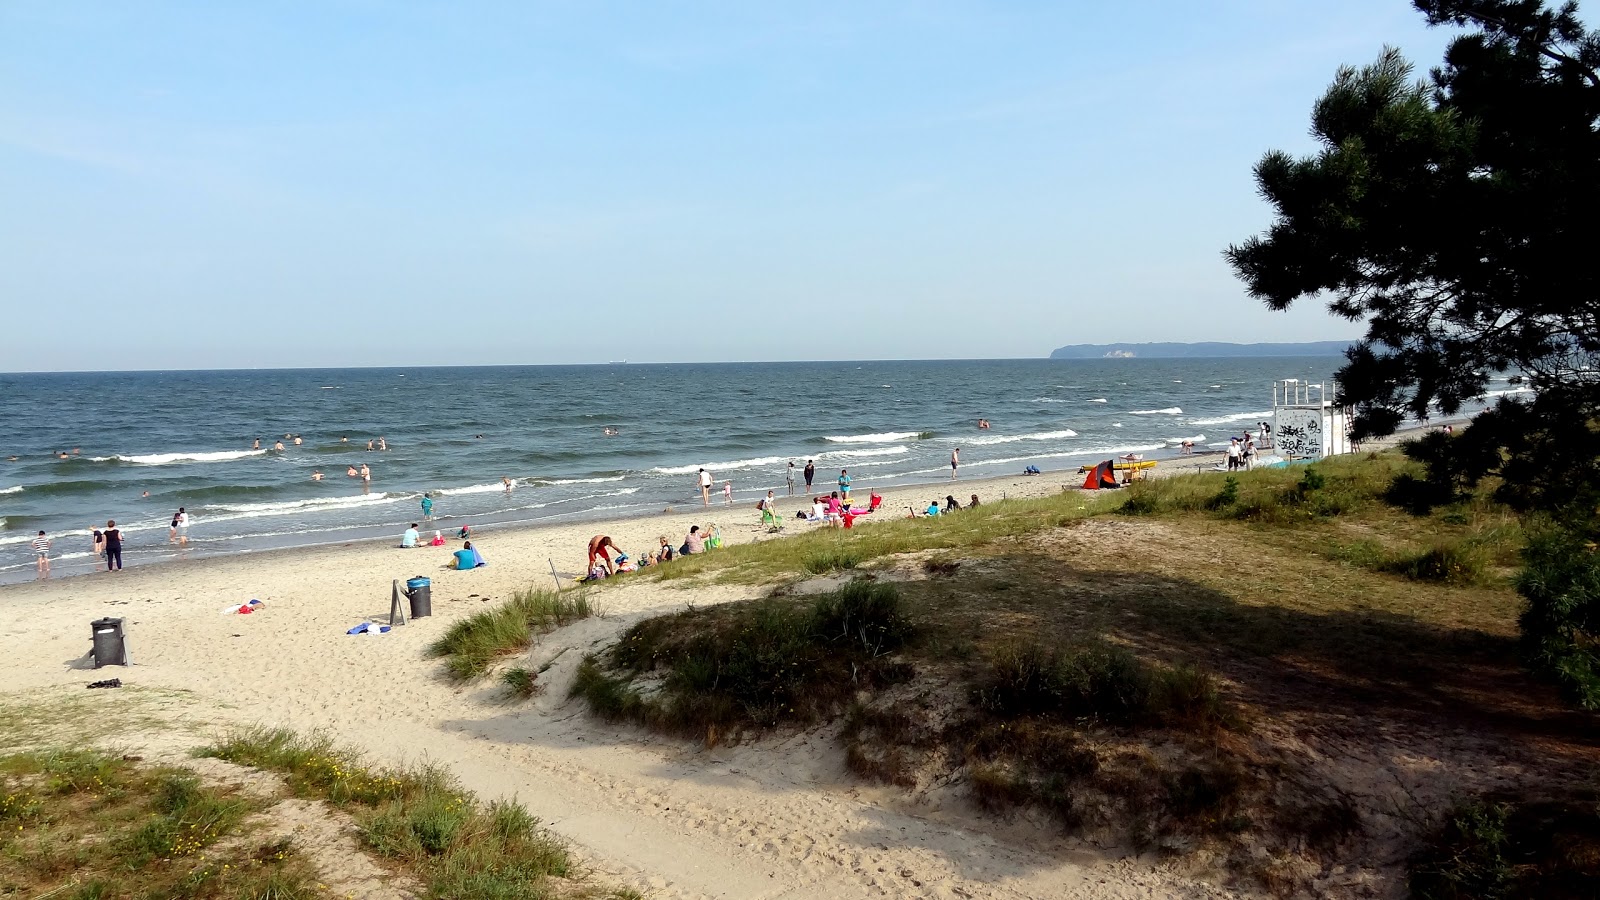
[
  {"x": 88, "y": 824},
  {"x": 521, "y": 681},
  {"x": 759, "y": 664},
  {"x": 471, "y": 645},
  {"x": 420, "y": 818}
]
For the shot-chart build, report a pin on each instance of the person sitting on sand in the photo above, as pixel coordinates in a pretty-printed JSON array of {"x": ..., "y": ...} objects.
[
  {"x": 973, "y": 503},
  {"x": 950, "y": 504},
  {"x": 465, "y": 532},
  {"x": 874, "y": 500},
  {"x": 601, "y": 546},
  {"x": 932, "y": 510},
  {"x": 410, "y": 538},
  {"x": 818, "y": 511},
  {"x": 464, "y": 558},
  {"x": 438, "y": 539},
  {"x": 694, "y": 542},
  {"x": 665, "y": 554}
]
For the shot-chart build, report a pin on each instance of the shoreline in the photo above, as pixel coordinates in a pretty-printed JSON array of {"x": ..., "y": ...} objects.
[{"x": 667, "y": 521}]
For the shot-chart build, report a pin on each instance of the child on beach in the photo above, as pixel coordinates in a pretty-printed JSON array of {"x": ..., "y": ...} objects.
[{"x": 727, "y": 492}]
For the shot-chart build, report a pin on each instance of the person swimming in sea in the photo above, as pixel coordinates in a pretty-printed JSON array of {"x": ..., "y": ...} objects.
[
  {"x": 351, "y": 472},
  {"x": 316, "y": 476}
]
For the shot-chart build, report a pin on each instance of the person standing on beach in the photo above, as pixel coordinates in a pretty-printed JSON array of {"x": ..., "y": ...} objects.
[
  {"x": 810, "y": 472},
  {"x": 427, "y": 507},
  {"x": 955, "y": 460},
  {"x": 788, "y": 478},
  {"x": 99, "y": 541},
  {"x": 844, "y": 483},
  {"x": 41, "y": 549},
  {"x": 600, "y": 547},
  {"x": 172, "y": 529},
  {"x": 727, "y": 492},
  {"x": 113, "y": 536},
  {"x": 705, "y": 488},
  {"x": 183, "y": 527}
]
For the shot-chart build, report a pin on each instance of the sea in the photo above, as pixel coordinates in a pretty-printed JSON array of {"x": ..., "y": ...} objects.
[{"x": 578, "y": 442}]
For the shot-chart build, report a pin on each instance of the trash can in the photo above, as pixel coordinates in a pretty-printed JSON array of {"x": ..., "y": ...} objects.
[
  {"x": 420, "y": 592},
  {"x": 110, "y": 645}
]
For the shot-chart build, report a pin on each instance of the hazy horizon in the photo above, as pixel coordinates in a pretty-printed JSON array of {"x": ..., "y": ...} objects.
[{"x": 364, "y": 184}]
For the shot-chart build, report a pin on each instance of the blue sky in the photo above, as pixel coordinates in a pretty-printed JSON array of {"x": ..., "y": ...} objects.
[{"x": 366, "y": 183}]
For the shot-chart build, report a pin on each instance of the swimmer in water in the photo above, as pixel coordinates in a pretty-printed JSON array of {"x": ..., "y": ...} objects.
[
  {"x": 383, "y": 444},
  {"x": 351, "y": 472},
  {"x": 297, "y": 441},
  {"x": 369, "y": 444},
  {"x": 344, "y": 439},
  {"x": 507, "y": 482},
  {"x": 611, "y": 431},
  {"x": 256, "y": 445},
  {"x": 278, "y": 445},
  {"x": 316, "y": 476}
]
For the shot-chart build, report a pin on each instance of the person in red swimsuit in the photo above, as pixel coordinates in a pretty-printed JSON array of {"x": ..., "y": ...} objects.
[{"x": 601, "y": 546}]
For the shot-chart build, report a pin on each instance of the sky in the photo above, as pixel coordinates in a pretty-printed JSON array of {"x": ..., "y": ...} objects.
[{"x": 198, "y": 185}]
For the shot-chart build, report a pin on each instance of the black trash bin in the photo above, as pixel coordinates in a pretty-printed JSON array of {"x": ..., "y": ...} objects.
[
  {"x": 110, "y": 644},
  {"x": 420, "y": 591}
]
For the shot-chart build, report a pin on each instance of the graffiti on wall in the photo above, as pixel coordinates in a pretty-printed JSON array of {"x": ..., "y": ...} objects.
[{"x": 1298, "y": 432}]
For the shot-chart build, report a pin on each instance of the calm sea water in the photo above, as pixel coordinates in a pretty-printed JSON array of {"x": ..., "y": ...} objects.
[{"x": 185, "y": 438}]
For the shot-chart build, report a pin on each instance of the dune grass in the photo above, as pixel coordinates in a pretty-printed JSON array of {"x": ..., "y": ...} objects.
[
  {"x": 471, "y": 645},
  {"x": 1510, "y": 848},
  {"x": 419, "y": 818},
  {"x": 827, "y": 550},
  {"x": 743, "y": 665},
  {"x": 89, "y": 825}
]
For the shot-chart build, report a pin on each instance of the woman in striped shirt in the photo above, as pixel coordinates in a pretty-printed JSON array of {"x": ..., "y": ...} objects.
[{"x": 41, "y": 546}]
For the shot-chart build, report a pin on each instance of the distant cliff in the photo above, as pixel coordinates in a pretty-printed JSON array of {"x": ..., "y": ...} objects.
[{"x": 1197, "y": 350}]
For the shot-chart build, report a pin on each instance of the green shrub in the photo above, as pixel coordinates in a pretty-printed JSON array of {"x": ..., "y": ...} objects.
[
  {"x": 1100, "y": 682},
  {"x": 1560, "y": 625},
  {"x": 1500, "y": 849},
  {"x": 758, "y": 663},
  {"x": 1139, "y": 503},
  {"x": 1454, "y": 563},
  {"x": 1228, "y": 496}
]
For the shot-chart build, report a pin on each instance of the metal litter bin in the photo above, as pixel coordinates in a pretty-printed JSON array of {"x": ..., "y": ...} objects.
[
  {"x": 420, "y": 592},
  {"x": 110, "y": 644}
]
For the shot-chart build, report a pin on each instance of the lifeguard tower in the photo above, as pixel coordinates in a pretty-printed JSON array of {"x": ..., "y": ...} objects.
[{"x": 1305, "y": 422}]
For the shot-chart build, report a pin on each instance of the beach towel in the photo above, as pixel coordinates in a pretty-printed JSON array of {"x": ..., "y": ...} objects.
[{"x": 477, "y": 559}]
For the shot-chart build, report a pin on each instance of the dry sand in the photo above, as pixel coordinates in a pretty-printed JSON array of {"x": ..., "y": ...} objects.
[{"x": 779, "y": 817}]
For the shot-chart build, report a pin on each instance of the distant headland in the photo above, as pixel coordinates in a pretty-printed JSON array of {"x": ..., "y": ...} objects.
[{"x": 1198, "y": 350}]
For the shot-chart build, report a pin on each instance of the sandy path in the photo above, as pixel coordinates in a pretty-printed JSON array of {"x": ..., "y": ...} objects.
[{"x": 781, "y": 818}]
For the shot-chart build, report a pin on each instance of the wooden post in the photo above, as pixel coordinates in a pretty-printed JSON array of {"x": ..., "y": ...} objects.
[{"x": 554, "y": 575}]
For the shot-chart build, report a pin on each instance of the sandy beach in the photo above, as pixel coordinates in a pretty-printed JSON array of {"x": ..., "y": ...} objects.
[{"x": 778, "y": 819}]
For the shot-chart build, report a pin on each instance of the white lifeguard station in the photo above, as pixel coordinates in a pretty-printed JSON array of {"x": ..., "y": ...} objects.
[{"x": 1305, "y": 422}]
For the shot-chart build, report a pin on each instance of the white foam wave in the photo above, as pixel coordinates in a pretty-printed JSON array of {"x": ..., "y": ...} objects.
[
  {"x": 474, "y": 489},
  {"x": 1013, "y": 438},
  {"x": 1116, "y": 424},
  {"x": 54, "y": 536},
  {"x": 1046, "y": 400},
  {"x": 584, "y": 480},
  {"x": 714, "y": 468},
  {"x": 1096, "y": 400},
  {"x": 855, "y": 454},
  {"x": 1236, "y": 417},
  {"x": 1195, "y": 439},
  {"x": 162, "y": 459},
  {"x": 1169, "y": 411},
  {"x": 11, "y": 490},
  {"x": 887, "y": 437},
  {"x": 229, "y": 512},
  {"x": 1515, "y": 390}
]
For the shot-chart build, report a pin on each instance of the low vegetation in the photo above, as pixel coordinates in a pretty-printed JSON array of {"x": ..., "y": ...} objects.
[
  {"x": 712, "y": 672},
  {"x": 1111, "y": 674},
  {"x": 88, "y": 825},
  {"x": 420, "y": 819},
  {"x": 1508, "y": 849},
  {"x": 471, "y": 645}
]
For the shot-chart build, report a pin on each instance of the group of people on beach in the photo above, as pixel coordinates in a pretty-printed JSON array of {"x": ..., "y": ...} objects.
[
  {"x": 607, "y": 559},
  {"x": 107, "y": 544}
]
